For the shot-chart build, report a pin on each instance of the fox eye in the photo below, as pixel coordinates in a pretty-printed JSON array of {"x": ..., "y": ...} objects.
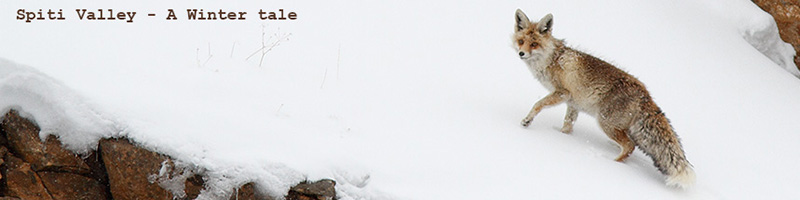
[
  {"x": 520, "y": 42},
  {"x": 534, "y": 45}
]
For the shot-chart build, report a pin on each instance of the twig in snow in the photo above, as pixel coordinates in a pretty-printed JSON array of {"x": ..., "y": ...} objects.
[
  {"x": 209, "y": 55},
  {"x": 207, "y": 59},
  {"x": 232, "y": 47},
  {"x": 197, "y": 57},
  {"x": 324, "y": 76},
  {"x": 265, "y": 47}
]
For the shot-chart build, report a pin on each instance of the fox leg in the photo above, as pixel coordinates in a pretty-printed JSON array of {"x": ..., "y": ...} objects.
[
  {"x": 621, "y": 137},
  {"x": 625, "y": 142},
  {"x": 550, "y": 100},
  {"x": 569, "y": 119}
]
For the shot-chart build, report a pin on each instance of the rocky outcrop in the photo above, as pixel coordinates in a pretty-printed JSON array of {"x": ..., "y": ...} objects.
[
  {"x": 193, "y": 186},
  {"x": 129, "y": 167},
  {"x": 23, "y": 139},
  {"x": 246, "y": 192},
  {"x": 62, "y": 185},
  {"x": 320, "y": 190},
  {"x": 33, "y": 169},
  {"x": 22, "y": 181},
  {"x": 787, "y": 16},
  {"x": 42, "y": 170}
]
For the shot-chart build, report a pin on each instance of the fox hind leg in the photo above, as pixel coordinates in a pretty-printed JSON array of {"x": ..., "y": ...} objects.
[
  {"x": 625, "y": 142},
  {"x": 620, "y": 136}
]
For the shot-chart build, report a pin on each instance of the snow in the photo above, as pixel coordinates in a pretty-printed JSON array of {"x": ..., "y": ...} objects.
[
  {"x": 411, "y": 100},
  {"x": 54, "y": 107},
  {"x": 761, "y": 31}
]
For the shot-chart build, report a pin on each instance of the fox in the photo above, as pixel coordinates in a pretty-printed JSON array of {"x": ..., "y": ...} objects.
[{"x": 620, "y": 102}]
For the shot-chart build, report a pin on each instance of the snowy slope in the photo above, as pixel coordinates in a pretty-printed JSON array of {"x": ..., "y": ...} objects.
[{"x": 411, "y": 100}]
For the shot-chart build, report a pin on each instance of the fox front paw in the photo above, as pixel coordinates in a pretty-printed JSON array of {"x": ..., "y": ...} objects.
[
  {"x": 527, "y": 121},
  {"x": 566, "y": 129}
]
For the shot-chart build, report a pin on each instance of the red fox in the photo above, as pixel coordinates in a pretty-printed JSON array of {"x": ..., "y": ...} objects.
[{"x": 621, "y": 104}]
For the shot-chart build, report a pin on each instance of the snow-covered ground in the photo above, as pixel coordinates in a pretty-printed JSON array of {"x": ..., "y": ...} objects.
[{"x": 410, "y": 99}]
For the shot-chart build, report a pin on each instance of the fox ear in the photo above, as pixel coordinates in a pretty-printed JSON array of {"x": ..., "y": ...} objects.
[
  {"x": 545, "y": 25},
  {"x": 522, "y": 20}
]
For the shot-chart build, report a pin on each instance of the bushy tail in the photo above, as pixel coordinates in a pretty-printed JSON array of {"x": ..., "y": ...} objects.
[{"x": 655, "y": 136}]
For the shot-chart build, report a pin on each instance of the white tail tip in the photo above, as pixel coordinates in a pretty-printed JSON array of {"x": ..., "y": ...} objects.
[{"x": 684, "y": 179}]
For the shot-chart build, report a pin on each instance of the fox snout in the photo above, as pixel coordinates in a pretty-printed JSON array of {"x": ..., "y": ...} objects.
[{"x": 523, "y": 55}]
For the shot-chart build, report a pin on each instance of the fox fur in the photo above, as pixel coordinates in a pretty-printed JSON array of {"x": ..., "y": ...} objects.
[{"x": 620, "y": 103}]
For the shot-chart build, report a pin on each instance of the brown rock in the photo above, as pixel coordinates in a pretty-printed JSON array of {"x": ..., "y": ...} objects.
[
  {"x": 246, "y": 192},
  {"x": 23, "y": 140},
  {"x": 3, "y": 137},
  {"x": 320, "y": 190},
  {"x": 787, "y": 16},
  {"x": 193, "y": 186},
  {"x": 69, "y": 186},
  {"x": 129, "y": 167},
  {"x": 9, "y": 198},
  {"x": 98, "y": 169},
  {"x": 3, "y": 152},
  {"x": 22, "y": 181}
]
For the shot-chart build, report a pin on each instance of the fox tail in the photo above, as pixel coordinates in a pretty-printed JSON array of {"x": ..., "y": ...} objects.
[{"x": 654, "y": 135}]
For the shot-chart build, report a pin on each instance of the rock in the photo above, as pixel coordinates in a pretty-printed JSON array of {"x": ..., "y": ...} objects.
[
  {"x": 68, "y": 186},
  {"x": 3, "y": 152},
  {"x": 3, "y": 137},
  {"x": 98, "y": 169},
  {"x": 22, "y": 181},
  {"x": 245, "y": 192},
  {"x": 23, "y": 140},
  {"x": 320, "y": 190},
  {"x": 193, "y": 186},
  {"x": 129, "y": 167},
  {"x": 787, "y": 16},
  {"x": 9, "y": 198}
]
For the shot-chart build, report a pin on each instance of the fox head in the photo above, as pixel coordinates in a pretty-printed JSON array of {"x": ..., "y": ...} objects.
[{"x": 533, "y": 40}]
